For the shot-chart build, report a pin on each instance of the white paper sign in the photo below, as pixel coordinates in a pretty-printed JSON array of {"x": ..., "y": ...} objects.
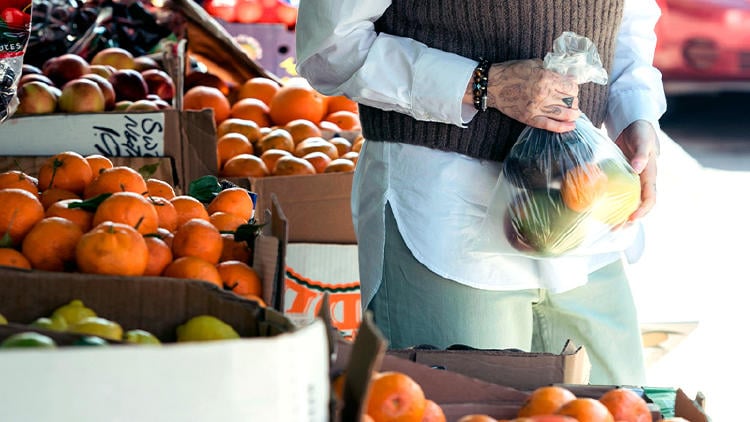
[{"x": 109, "y": 134}]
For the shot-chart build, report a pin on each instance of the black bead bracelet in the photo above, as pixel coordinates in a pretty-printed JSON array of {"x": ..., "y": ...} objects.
[{"x": 479, "y": 84}]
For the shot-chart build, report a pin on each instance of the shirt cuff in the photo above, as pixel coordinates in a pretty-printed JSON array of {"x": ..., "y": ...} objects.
[
  {"x": 629, "y": 106},
  {"x": 440, "y": 81}
]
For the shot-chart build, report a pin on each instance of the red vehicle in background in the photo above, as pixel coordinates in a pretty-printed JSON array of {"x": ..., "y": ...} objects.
[{"x": 703, "y": 46}]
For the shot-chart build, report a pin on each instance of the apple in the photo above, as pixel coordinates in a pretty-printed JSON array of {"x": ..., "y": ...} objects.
[
  {"x": 102, "y": 70},
  {"x": 622, "y": 194},
  {"x": 36, "y": 98},
  {"x": 145, "y": 62},
  {"x": 27, "y": 69},
  {"x": 143, "y": 105},
  {"x": 38, "y": 77},
  {"x": 117, "y": 57},
  {"x": 129, "y": 85},
  {"x": 122, "y": 105},
  {"x": 159, "y": 83},
  {"x": 65, "y": 68},
  {"x": 107, "y": 89},
  {"x": 81, "y": 95}
]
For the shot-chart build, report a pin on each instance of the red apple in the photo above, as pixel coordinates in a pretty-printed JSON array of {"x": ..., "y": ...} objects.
[
  {"x": 159, "y": 83},
  {"x": 81, "y": 95},
  {"x": 65, "y": 68},
  {"x": 145, "y": 62},
  {"x": 102, "y": 70},
  {"x": 35, "y": 77},
  {"x": 107, "y": 89},
  {"x": 129, "y": 85},
  {"x": 28, "y": 69},
  {"x": 117, "y": 57},
  {"x": 36, "y": 98}
]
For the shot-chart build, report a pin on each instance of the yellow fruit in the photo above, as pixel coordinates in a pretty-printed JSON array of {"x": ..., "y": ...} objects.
[
  {"x": 54, "y": 323},
  {"x": 622, "y": 195},
  {"x": 99, "y": 327},
  {"x": 3, "y": 321},
  {"x": 205, "y": 328},
  {"x": 73, "y": 312},
  {"x": 140, "y": 337}
]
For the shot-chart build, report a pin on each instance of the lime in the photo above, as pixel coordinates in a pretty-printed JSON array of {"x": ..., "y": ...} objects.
[
  {"x": 97, "y": 326},
  {"x": 90, "y": 341},
  {"x": 74, "y": 312},
  {"x": 3, "y": 321},
  {"x": 28, "y": 339},
  {"x": 205, "y": 328},
  {"x": 140, "y": 337},
  {"x": 54, "y": 323}
]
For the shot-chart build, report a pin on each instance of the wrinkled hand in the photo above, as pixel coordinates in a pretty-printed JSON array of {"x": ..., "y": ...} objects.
[
  {"x": 640, "y": 145},
  {"x": 525, "y": 91}
]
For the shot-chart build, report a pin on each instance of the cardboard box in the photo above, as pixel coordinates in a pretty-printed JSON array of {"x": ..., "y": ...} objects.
[
  {"x": 188, "y": 138},
  {"x": 260, "y": 377},
  {"x": 317, "y": 207},
  {"x": 513, "y": 368}
]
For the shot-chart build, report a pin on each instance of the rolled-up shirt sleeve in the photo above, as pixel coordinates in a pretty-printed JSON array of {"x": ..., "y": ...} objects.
[{"x": 340, "y": 53}]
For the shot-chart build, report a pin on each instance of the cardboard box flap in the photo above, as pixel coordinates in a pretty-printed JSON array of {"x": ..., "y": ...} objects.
[
  {"x": 197, "y": 157},
  {"x": 215, "y": 46},
  {"x": 576, "y": 364},
  {"x": 692, "y": 410},
  {"x": 155, "y": 304}
]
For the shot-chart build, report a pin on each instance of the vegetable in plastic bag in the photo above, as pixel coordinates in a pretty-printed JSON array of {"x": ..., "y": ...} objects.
[
  {"x": 563, "y": 193},
  {"x": 15, "y": 21}
]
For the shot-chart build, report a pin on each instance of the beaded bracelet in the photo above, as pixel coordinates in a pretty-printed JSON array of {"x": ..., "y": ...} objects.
[{"x": 479, "y": 88}]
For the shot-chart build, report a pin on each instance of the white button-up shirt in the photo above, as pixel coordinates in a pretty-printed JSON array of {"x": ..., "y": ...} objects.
[{"x": 440, "y": 199}]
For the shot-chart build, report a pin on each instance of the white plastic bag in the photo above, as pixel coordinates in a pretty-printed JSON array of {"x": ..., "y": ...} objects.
[{"x": 562, "y": 194}]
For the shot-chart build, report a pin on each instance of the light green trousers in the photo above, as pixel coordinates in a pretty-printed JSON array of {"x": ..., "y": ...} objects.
[{"x": 415, "y": 306}]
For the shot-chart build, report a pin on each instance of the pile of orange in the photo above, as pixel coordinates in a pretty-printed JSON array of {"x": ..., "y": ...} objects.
[
  {"x": 250, "y": 118},
  {"x": 87, "y": 215}
]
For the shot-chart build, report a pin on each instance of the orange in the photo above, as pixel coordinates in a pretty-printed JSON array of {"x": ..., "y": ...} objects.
[
  {"x": 245, "y": 165},
  {"x": 395, "y": 396},
  {"x": 344, "y": 119},
  {"x": 225, "y": 222},
  {"x": 291, "y": 165},
  {"x": 586, "y": 409},
  {"x": 301, "y": 129},
  {"x": 357, "y": 144},
  {"x": 50, "y": 196},
  {"x": 272, "y": 155},
  {"x": 128, "y": 208},
  {"x": 20, "y": 180},
  {"x": 248, "y": 128},
  {"x": 433, "y": 412},
  {"x": 116, "y": 179},
  {"x": 626, "y": 405},
  {"x": 327, "y": 126},
  {"x": 545, "y": 400},
  {"x": 232, "y": 145},
  {"x": 232, "y": 250},
  {"x": 158, "y": 187},
  {"x": 352, "y": 156},
  {"x": 98, "y": 162},
  {"x": 316, "y": 143},
  {"x": 51, "y": 244},
  {"x": 112, "y": 248},
  {"x": 340, "y": 165},
  {"x": 188, "y": 208},
  {"x": 19, "y": 211},
  {"x": 201, "y": 97},
  {"x": 166, "y": 213},
  {"x": 12, "y": 258},
  {"x": 342, "y": 144},
  {"x": 319, "y": 160},
  {"x": 67, "y": 170},
  {"x": 477, "y": 418},
  {"x": 582, "y": 186},
  {"x": 251, "y": 109},
  {"x": 235, "y": 201},
  {"x": 197, "y": 79},
  {"x": 336, "y": 103},
  {"x": 199, "y": 238},
  {"x": 259, "y": 87},
  {"x": 159, "y": 255},
  {"x": 276, "y": 139},
  {"x": 165, "y": 235},
  {"x": 297, "y": 102},
  {"x": 81, "y": 217},
  {"x": 257, "y": 299},
  {"x": 192, "y": 267},
  {"x": 240, "y": 278}
]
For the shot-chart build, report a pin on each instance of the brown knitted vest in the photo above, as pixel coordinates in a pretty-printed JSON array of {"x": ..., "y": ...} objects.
[{"x": 498, "y": 31}]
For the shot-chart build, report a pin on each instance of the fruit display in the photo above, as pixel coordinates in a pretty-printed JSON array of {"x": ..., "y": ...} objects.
[
  {"x": 253, "y": 11},
  {"x": 119, "y": 222},
  {"x": 267, "y": 129},
  {"x": 112, "y": 80},
  {"x": 565, "y": 192}
]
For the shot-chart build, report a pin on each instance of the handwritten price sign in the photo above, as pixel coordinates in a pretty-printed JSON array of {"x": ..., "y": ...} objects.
[
  {"x": 110, "y": 134},
  {"x": 138, "y": 136}
]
